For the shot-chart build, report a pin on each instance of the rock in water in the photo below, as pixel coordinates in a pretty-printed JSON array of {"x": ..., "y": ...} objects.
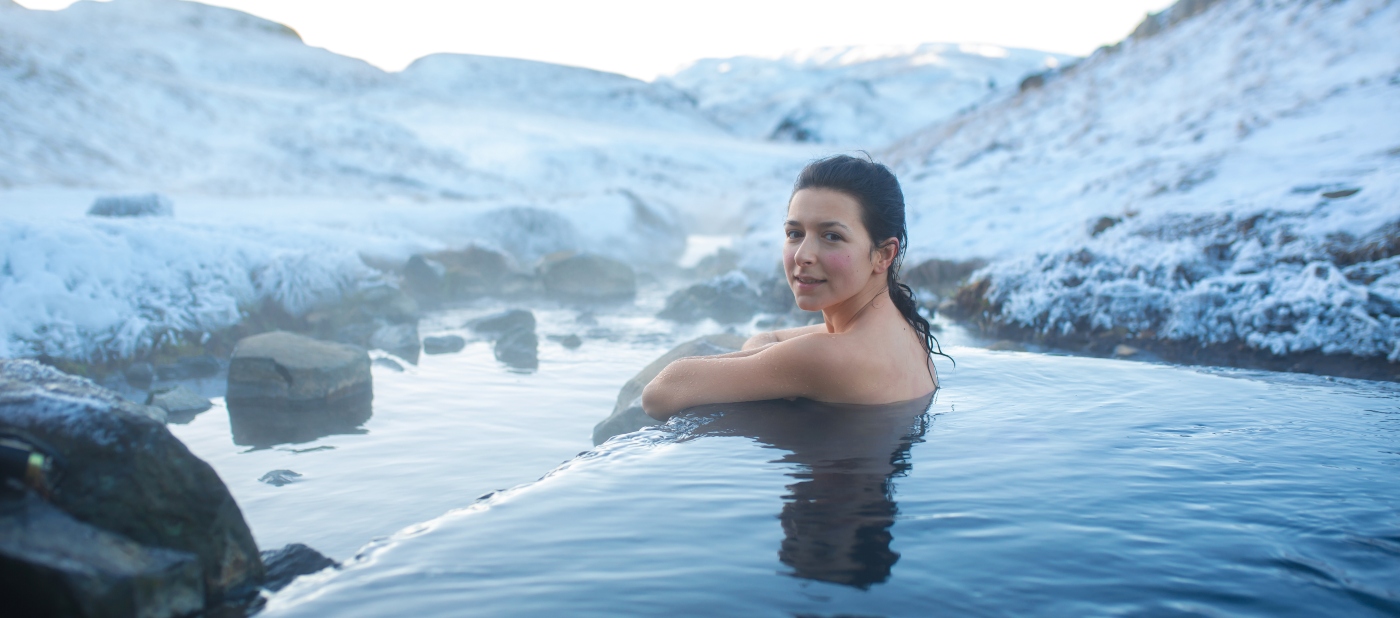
[
  {"x": 202, "y": 366},
  {"x": 588, "y": 278},
  {"x": 627, "y": 415},
  {"x": 401, "y": 340},
  {"x": 284, "y": 387},
  {"x": 446, "y": 344},
  {"x": 290, "y": 562},
  {"x": 148, "y": 205},
  {"x": 140, "y": 375},
  {"x": 278, "y": 478},
  {"x": 497, "y": 324},
  {"x": 517, "y": 345},
  {"x": 519, "y": 349},
  {"x": 55, "y": 565},
  {"x": 726, "y": 299},
  {"x": 180, "y": 404},
  {"x": 126, "y": 474},
  {"x": 467, "y": 274}
]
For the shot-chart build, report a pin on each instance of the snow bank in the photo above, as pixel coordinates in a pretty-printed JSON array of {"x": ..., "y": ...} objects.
[
  {"x": 864, "y": 96},
  {"x": 1278, "y": 281}
]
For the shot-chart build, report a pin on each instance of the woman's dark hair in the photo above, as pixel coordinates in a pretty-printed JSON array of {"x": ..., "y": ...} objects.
[{"x": 875, "y": 188}]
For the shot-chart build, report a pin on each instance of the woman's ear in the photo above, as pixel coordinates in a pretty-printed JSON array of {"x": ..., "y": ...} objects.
[{"x": 885, "y": 255}]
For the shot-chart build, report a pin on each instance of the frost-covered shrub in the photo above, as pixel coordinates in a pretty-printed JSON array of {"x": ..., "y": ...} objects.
[
  {"x": 1268, "y": 279},
  {"x": 147, "y": 205},
  {"x": 96, "y": 289}
]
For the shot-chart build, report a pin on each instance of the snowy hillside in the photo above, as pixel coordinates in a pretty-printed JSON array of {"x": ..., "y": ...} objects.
[
  {"x": 855, "y": 97},
  {"x": 286, "y": 163},
  {"x": 1231, "y": 177}
]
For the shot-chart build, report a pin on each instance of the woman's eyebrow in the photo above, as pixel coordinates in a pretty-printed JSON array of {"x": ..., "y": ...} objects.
[{"x": 823, "y": 224}]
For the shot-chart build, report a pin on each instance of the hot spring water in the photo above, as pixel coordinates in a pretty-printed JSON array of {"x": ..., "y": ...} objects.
[{"x": 1032, "y": 485}]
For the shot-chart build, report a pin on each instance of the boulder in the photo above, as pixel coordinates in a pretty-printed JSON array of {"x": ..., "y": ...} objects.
[
  {"x": 727, "y": 299},
  {"x": 588, "y": 278},
  {"x": 445, "y": 344},
  {"x": 470, "y": 273},
  {"x": 401, "y": 340},
  {"x": 290, "y": 562},
  {"x": 126, "y": 474},
  {"x": 147, "y": 205},
  {"x": 627, "y": 415},
  {"x": 284, "y": 387},
  {"x": 54, "y": 565},
  {"x": 180, "y": 404},
  {"x": 569, "y": 341}
]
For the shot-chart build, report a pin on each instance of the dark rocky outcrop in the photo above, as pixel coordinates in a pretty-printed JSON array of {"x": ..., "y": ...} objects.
[
  {"x": 147, "y": 205},
  {"x": 284, "y": 387},
  {"x": 588, "y": 278},
  {"x": 290, "y": 562},
  {"x": 54, "y": 565},
  {"x": 497, "y": 324},
  {"x": 125, "y": 474},
  {"x": 726, "y": 299},
  {"x": 627, "y": 415}
]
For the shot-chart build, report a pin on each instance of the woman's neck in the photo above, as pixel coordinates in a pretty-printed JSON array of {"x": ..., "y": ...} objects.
[{"x": 843, "y": 316}]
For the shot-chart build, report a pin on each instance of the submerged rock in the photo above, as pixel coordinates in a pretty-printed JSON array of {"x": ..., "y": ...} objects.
[
  {"x": 726, "y": 299},
  {"x": 55, "y": 565},
  {"x": 588, "y": 278},
  {"x": 390, "y": 364},
  {"x": 180, "y": 404},
  {"x": 627, "y": 415},
  {"x": 446, "y": 344},
  {"x": 278, "y": 478},
  {"x": 290, "y": 562},
  {"x": 284, "y": 387},
  {"x": 147, "y": 205},
  {"x": 126, "y": 474}
]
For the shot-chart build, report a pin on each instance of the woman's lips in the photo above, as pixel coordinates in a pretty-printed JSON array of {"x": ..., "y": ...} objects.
[{"x": 805, "y": 283}]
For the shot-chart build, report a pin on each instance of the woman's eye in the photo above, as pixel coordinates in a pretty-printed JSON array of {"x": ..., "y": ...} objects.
[
  {"x": 793, "y": 234},
  {"x": 832, "y": 236}
]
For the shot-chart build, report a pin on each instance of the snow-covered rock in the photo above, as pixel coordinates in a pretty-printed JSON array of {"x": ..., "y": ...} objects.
[
  {"x": 1248, "y": 149},
  {"x": 863, "y": 96}
]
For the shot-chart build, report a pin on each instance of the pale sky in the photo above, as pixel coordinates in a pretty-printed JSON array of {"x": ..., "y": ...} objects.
[{"x": 646, "y": 38}]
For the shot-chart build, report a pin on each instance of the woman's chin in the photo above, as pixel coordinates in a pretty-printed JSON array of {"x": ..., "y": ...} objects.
[{"x": 808, "y": 304}]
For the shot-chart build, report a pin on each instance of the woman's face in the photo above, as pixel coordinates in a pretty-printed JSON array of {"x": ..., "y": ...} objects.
[{"x": 827, "y": 254}]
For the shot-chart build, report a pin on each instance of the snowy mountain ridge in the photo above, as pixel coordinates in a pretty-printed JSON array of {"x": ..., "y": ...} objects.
[{"x": 855, "y": 96}]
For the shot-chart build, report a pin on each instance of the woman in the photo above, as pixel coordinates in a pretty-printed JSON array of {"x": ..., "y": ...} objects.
[{"x": 845, "y": 240}]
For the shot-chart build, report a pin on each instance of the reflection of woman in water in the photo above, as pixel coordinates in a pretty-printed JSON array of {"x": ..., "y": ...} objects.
[{"x": 845, "y": 241}]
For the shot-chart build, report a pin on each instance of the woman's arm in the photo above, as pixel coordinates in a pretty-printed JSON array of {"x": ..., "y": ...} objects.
[
  {"x": 763, "y": 339},
  {"x": 800, "y": 367}
]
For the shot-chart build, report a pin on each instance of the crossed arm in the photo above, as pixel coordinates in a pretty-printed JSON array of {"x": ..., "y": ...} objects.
[{"x": 793, "y": 365}]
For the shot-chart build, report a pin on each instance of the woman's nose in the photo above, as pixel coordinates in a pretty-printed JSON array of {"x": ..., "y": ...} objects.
[{"x": 806, "y": 253}]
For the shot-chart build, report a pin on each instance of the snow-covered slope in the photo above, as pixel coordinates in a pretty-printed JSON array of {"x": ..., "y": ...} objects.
[
  {"x": 1252, "y": 153},
  {"x": 280, "y": 154},
  {"x": 856, "y": 97}
]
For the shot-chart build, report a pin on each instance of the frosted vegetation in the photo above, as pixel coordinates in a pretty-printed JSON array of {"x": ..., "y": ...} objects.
[{"x": 1227, "y": 176}]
